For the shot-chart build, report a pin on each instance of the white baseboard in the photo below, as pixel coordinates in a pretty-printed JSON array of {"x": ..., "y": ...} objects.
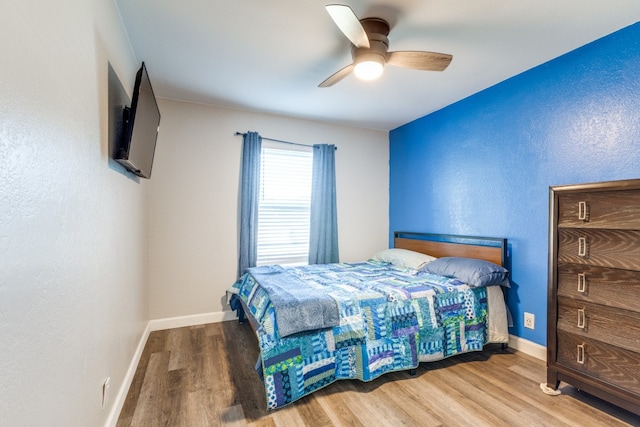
[
  {"x": 118, "y": 402},
  {"x": 192, "y": 320},
  {"x": 528, "y": 347},
  {"x": 158, "y": 325}
]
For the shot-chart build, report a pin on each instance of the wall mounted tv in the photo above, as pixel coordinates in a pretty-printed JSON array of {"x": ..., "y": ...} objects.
[{"x": 140, "y": 128}]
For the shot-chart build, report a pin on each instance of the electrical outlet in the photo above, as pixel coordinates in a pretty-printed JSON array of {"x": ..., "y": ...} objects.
[
  {"x": 529, "y": 320},
  {"x": 105, "y": 392}
]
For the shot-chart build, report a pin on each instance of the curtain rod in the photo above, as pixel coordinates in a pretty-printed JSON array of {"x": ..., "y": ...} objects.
[{"x": 279, "y": 140}]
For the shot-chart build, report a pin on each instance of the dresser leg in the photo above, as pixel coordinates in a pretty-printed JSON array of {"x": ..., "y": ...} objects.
[
  {"x": 551, "y": 387},
  {"x": 552, "y": 380}
]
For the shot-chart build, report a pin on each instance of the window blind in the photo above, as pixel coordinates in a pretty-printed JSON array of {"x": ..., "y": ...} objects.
[{"x": 283, "y": 212}]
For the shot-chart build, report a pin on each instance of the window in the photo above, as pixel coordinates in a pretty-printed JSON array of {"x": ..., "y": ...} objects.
[{"x": 284, "y": 206}]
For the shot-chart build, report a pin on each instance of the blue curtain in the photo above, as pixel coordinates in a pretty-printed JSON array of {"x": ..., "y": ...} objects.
[
  {"x": 250, "y": 193},
  {"x": 323, "y": 237}
]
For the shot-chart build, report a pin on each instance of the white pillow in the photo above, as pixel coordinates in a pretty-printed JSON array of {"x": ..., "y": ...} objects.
[{"x": 404, "y": 258}]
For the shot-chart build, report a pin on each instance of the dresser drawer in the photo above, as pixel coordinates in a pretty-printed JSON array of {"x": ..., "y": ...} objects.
[
  {"x": 602, "y": 323},
  {"x": 600, "y": 285},
  {"x": 605, "y": 248},
  {"x": 607, "y": 363},
  {"x": 604, "y": 209}
]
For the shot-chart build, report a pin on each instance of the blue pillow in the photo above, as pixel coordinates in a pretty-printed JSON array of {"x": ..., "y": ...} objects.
[{"x": 474, "y": 272}]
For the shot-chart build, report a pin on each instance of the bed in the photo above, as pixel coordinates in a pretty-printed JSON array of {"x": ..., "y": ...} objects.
[{"x": 429, "y": 297}]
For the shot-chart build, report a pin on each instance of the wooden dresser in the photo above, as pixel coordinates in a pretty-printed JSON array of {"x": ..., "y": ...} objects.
[{"x": 593, "y": 336}]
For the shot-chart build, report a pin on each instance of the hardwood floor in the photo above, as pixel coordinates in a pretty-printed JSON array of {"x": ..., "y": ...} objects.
[{"x": 203, "y": 376}]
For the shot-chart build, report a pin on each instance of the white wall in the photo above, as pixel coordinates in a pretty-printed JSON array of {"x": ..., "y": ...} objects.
[
  {"x": 73, "y": 229},
  {"x": 194, "y": 198}
]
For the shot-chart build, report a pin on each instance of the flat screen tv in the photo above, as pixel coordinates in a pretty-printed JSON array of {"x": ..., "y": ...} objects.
[{"x": 140, "y": 131}]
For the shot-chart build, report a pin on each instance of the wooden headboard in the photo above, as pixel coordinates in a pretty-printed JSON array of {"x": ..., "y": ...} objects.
[{"x": 443, "y": 245}]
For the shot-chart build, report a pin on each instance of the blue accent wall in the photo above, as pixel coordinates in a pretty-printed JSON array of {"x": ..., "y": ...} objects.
[{"x": 483, "y": 166}]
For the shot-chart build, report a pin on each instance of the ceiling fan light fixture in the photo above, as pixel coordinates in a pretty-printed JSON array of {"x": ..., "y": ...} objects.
[{"x": 369, "y": 69}]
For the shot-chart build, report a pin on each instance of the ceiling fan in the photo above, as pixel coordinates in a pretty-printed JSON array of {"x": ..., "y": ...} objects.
[{"x": 370, "y": 46}]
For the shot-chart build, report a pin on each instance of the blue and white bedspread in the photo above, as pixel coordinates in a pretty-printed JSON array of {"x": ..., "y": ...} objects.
[{"x": 390, "y": 319}]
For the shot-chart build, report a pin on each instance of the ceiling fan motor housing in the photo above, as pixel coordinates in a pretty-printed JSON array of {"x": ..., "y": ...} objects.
[{"x": 377, "y": 30}]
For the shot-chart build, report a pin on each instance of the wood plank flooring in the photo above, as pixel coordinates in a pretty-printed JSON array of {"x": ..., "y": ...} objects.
[{"x": 203, "y": 376}]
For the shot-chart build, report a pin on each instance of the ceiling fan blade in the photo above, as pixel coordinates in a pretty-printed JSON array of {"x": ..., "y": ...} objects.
[
  {"x": 337, "y": 76},
  {"x": 348, "y": 23},
  {"x": 427, "y": 61}
]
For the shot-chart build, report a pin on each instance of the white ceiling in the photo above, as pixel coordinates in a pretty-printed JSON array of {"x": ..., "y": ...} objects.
[{"x": 270, "y": 56}]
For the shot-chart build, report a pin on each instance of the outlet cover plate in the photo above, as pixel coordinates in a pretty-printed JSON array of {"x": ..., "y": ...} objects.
[
  {"x": 105, "y": 392},
  {"x": 529, "y": 320}
]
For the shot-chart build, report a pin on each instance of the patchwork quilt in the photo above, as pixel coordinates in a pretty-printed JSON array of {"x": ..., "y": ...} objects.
[{"x": 390, "y": 319}]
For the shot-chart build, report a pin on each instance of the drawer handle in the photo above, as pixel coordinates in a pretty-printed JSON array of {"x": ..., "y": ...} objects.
[
  {"x": 581, "y": 318},
  {"x": 582, "y": 282},
  {"x": 580, "y": 355},
  {"x": 583, "y": 211},
  {"x": 582, "y": 246}
]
